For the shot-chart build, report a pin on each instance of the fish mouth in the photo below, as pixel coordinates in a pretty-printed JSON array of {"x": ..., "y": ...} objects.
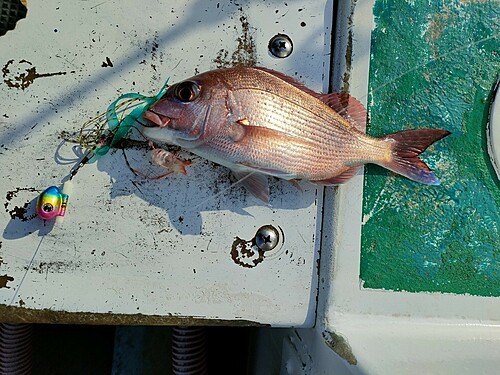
[{"x": 157, "y": 119}]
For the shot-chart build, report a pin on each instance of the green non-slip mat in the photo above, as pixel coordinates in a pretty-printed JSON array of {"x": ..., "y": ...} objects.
[{"x": 434, "y": 64}]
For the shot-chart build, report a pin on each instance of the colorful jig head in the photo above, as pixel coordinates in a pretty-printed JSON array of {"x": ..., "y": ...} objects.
[{"x": 51, "y": 203}]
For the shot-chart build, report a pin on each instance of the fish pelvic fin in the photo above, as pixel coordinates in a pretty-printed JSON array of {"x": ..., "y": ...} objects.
[
  {"x": 255, "y": 183},
  {"x": 405, "y": 148}
]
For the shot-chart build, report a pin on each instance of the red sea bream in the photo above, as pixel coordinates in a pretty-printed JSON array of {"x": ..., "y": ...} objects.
[{"x": 260, "y": 123}]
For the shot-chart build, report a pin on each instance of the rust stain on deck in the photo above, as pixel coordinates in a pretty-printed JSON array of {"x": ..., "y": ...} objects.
[
  {"x": 22, "y": 74},
  {"x": 4, "y": 279},
  {"x": 245, "y": 52}
]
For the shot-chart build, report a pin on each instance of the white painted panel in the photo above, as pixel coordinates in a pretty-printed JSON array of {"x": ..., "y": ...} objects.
[{"x": 127, "y": 244}]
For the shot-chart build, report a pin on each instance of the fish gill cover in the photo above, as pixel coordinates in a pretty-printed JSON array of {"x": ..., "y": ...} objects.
[{"x": 434, "y": 65}]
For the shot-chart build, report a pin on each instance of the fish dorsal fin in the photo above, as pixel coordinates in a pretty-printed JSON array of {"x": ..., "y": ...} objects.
[
  {"x": 348, "y": 107},
  {"x": 339, "y": 179},
  {"x": 291, "y": 81}
]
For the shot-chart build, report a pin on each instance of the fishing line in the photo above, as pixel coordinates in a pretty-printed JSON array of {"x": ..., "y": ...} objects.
[
  {"x": 27, "y": 269},
  {"x": 52, "y": 202},
  {"x": 98, "y": 140},
  {"x": 439, "y": 57}
]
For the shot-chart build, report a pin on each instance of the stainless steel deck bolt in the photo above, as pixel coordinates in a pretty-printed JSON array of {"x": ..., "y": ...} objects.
[
  {"x": 280, "y": 46},
  {"x": 267, "y": 237}
]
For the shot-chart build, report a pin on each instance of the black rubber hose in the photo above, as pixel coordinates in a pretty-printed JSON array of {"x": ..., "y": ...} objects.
[
  {"x": 15, "y": 349},
  {"x": 189, "y": 351}
]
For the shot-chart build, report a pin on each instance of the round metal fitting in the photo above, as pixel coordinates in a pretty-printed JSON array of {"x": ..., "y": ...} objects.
[
  {"x": 267, "y": 237},
  {"x": 280, "y": 46}
]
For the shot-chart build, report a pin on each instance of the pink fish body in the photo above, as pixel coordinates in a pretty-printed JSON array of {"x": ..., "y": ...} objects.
[{"x": 259, "y": 122}]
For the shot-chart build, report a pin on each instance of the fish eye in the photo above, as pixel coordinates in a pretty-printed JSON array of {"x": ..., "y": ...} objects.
[{"x": 187, "y": 91}]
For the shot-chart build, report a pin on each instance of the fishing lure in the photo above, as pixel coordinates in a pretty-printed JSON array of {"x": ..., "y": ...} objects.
[
  {"x": 120, "y": 128},
  {"x": 98, "y": 141},
  {"x": 51, "y": 202}
]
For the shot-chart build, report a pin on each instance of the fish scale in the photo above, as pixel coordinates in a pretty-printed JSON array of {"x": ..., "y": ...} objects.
[
  {"x": 291, "y": 119},
  {"x": 281, "y": 153},
  {"x": 281, "y": 92}
]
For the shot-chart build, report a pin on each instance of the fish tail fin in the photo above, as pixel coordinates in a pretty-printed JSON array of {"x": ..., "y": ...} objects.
[{"x": 406, "y": 146}]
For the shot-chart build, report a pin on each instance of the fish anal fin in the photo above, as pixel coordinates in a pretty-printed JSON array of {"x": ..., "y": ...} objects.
[
  {"x": 255, "y": 183},
  {"x": 340, "y": 178},
  {"x": 348, "y": 107}
]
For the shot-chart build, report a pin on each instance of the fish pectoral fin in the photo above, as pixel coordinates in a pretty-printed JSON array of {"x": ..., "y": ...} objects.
[
  {"x": 340, "y": 178},
  {"x": 242, "y": 131},
  {"x": 348, "y": 107},
  {"x": 243, "y": 121},
  {"x": 255, "y": 183}
]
